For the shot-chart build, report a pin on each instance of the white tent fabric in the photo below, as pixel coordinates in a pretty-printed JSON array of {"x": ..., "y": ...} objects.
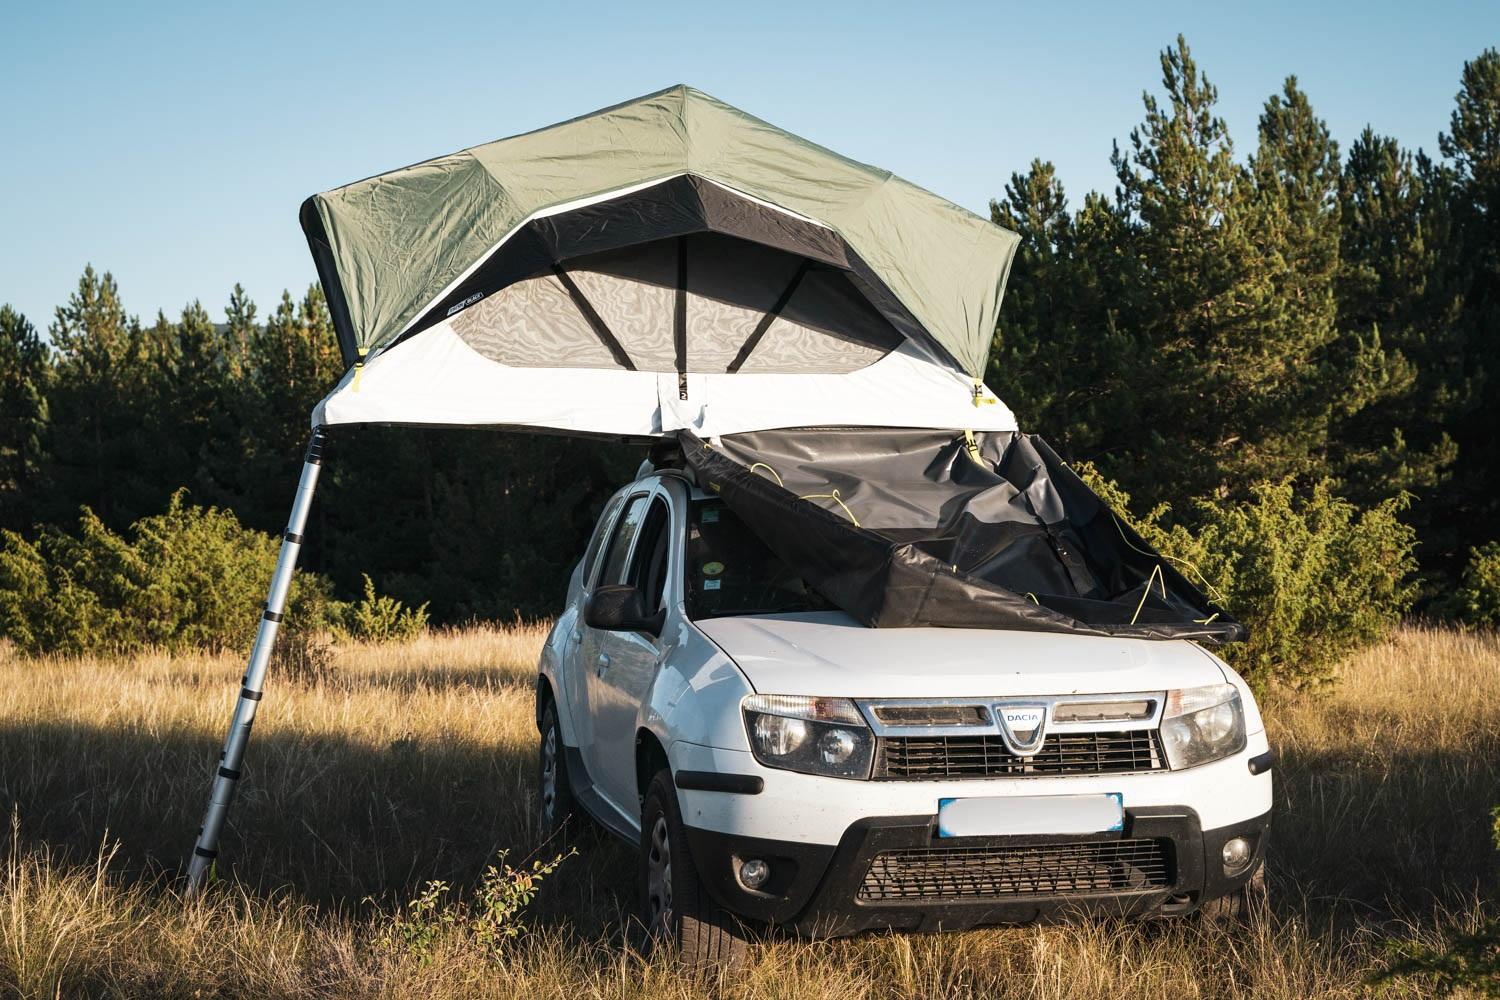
[{"x": 438, "y": 378}]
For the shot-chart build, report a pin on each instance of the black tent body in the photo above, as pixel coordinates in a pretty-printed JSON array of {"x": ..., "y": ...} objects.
[{"x": 987, "y": 530}]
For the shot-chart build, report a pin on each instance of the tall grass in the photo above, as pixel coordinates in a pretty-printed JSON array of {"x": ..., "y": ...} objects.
[{"x": 397, "y": 765}]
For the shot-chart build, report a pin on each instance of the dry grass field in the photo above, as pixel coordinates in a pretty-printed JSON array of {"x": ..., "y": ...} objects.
[{"x": 400, "y": 765}]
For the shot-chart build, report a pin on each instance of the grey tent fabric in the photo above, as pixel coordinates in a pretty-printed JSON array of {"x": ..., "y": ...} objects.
[{"x": 624, "y": 302}]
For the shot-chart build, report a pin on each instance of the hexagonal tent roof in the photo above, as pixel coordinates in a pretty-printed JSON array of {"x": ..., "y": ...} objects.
[{"x": 668, "y": 262}]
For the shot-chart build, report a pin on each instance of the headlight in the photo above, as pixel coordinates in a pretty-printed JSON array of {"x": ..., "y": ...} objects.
[
  {"x": 1202, "y": 724},
  {"x": 824, "y": 736}
]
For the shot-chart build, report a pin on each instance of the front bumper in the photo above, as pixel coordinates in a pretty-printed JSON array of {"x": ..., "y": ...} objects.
[{"x": 816, "y": 889}]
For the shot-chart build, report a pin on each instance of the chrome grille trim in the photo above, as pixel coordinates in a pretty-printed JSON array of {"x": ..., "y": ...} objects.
[{"x": 869, "y": 708}]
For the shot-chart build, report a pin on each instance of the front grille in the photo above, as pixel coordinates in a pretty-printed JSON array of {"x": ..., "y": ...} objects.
[
  {"x": 933, "y": 757},
  {"x": 1103, "y": 866}
]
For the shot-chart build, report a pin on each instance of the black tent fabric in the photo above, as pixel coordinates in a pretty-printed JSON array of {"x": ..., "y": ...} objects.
[{"x": 916, "y": 527}]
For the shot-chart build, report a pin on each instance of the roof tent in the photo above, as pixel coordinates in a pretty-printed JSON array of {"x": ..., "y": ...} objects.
[
  {"x": 669, "y": 263},
  {"x": 811, "y": 330}
]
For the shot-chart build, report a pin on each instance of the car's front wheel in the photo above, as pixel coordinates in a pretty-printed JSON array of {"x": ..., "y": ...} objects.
[
  {"x": 676, "y": 909},
  {"x": 556, "y": 807}
]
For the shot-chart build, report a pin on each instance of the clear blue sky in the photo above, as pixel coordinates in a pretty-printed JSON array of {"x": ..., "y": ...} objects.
[{"x": 172, "y": 143}]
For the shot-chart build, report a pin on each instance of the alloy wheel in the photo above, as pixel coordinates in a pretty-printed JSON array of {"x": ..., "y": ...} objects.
[
  {"x": 548, "y": 789},
  {"x": 659, "y": 879}
]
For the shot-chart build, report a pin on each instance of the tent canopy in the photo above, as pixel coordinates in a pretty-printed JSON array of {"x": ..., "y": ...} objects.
[{"x": 669, "y": 263}]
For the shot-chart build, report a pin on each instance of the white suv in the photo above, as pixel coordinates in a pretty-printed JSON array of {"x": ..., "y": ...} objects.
[{"x": 779, "y": 763}]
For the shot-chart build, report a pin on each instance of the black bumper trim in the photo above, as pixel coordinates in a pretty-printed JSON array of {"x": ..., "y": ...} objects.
[
  {"x": 814, "y": 888},
  {"x": 710, "y": 781}
]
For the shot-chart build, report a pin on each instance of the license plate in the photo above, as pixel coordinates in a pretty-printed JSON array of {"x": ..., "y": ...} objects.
[{"x": 1000, "y": 816}]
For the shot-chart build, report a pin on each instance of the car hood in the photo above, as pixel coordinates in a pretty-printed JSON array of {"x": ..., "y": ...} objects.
[{"x": 829, "y": 653}]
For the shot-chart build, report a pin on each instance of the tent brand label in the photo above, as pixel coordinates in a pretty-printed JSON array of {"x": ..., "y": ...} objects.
[
  {"x": 1024, "y": 726},
  {"x": 466, "y": 303}
]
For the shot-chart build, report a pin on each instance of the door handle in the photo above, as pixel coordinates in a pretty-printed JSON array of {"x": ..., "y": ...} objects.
[{"x": 603, "y": 664}]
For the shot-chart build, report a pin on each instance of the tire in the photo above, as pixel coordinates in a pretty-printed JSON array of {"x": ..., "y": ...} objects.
[
  {"x": 676, "y": 910},
  {"x": 557, "y": 810},
  {"x": 1242, "y": 905}
]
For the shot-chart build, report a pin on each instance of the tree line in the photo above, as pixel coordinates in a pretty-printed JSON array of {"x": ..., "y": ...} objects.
[
  {"x": 113, "y": 414},
  {"x": 1301, "y": 318},
  {"x": 1298, "y": 315}
]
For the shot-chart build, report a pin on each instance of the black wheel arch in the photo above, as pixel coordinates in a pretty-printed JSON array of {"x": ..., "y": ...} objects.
[
  {"x": 544, "y": 697},
  {"x": 650, "y": 757}
]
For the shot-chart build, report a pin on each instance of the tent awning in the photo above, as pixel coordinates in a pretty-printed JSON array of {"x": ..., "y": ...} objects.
[{"x": 670, "y": 263}]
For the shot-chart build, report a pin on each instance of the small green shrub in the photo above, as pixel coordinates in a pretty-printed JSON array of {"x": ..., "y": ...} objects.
[
  {"x": 190, "y": 578},
  {"x": 484, "y": 923},
  {"x": 379, "y": 618},
  {"x": 1477, "y": 601},
  {"x": 1313, "y": 576}
]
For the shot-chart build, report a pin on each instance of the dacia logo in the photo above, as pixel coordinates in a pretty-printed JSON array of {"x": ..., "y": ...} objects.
[{"x": 1023, "y": 727}]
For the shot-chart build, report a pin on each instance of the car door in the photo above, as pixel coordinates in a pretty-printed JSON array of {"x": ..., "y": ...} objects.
[
  {"x": 574, "y": 670},
  {"x": 626, "y": 662},
  {"x": 598, "y": 649}
]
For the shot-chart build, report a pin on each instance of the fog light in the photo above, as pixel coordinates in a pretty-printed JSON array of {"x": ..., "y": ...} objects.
[
  {"x": 1237, "y": 854},
  {"x": 753, "y": 873}
]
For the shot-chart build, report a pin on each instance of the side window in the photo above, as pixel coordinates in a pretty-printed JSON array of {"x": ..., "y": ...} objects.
[
  {"x": 601, "y": 532},
  {"x": 648, "y": 571},
  {"x": 619, "y": 543}
]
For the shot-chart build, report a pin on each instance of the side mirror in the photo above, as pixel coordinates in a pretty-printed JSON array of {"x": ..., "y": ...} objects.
[{"x": 618, "y": 607}]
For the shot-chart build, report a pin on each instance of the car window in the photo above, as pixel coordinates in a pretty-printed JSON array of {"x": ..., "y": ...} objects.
[
  {"x": 648, "y": 571},
  {"x": 731, "y": 572},
  {"x": 601, "y": 531},
  {"x": 619, "y": 543}
]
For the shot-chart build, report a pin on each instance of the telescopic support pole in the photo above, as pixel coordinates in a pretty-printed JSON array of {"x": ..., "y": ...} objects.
[{"x": 232, "y": 757}]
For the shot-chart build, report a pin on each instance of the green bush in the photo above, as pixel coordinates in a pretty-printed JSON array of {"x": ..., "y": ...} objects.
[
  {"x": 1477, "y": 601},
  {"x": 1313, "y": 576},
  {"x": 378, "y": 618},
  {"x": 484, "y": 923},
  {"x": 190, "y": 578}
]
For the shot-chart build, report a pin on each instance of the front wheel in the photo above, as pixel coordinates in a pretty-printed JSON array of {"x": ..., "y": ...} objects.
[
  {"x": 676, "y": 909},
  {"x": 556, "y": 807}
]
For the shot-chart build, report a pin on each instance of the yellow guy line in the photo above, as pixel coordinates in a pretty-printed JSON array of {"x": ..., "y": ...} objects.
[{"x": 834, "y": 496}]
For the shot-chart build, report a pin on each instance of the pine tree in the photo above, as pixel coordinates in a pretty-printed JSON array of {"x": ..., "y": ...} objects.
[
  {"x": 1199, "y": 304},
  {"x": 238, "y": 331},
  {"x": 1305, "y": 373},
  {"x": 1394, "y": 232},
  {"x": 192, "y": 386},
  {"x": 1059, "y": 358},
  {"x": 1472, "y": 144},
  {"x": 98, "y": 441},
  {"x": 25, "y": 371},
  {"x": 290, "y": 362}
]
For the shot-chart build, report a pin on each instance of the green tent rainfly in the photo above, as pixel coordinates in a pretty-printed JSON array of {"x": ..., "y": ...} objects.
[{"x": 388, "y": 247}]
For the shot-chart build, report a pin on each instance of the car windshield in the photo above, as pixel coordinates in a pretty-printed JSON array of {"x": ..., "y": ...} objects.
[{"x": 731, "y": 572}]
